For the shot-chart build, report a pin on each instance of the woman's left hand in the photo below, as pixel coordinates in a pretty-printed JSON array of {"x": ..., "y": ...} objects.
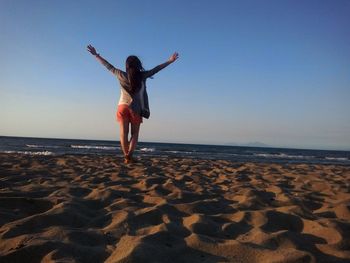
[{"x": 92, "y": 50}]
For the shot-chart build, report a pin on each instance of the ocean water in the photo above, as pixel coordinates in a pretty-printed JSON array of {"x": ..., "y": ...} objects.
[{"x": 42, "y": 146}]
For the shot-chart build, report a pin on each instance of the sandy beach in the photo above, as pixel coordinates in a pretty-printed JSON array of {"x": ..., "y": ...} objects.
[{"x": 76, "y": 208}]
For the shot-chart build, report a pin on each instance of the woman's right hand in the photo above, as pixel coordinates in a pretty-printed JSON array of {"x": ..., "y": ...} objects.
[
  {"x": 92, "y": 50},
  {"x": 174, "y": 57}
]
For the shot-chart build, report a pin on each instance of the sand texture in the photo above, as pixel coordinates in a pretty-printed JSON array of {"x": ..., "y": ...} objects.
[{"x": 95, "y": 209}]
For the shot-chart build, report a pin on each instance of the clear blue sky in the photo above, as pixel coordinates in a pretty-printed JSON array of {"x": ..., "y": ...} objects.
[{"x": 276, "y": 72}]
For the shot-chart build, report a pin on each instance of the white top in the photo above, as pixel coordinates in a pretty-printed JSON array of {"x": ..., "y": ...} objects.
[{"x": 125, "y": 97}]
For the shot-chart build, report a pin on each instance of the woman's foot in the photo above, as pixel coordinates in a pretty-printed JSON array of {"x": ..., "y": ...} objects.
[{"x": 128, "y": 159}]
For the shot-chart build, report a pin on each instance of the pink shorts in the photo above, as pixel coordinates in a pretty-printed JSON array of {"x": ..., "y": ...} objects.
[{"x": 125, "y": 114}]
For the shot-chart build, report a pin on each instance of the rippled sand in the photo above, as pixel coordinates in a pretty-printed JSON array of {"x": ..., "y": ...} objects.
[{"x": 95, "y": 209}]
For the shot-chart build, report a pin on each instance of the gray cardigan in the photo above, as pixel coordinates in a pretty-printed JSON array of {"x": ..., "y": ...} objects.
[{"x": 139, "y": 102}]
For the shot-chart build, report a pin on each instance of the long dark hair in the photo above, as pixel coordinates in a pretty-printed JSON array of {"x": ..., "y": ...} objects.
[{"x": 133, "y": 69}]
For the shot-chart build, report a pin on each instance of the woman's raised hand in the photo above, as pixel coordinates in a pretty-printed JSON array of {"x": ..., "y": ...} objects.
[
  {"x": 174, "y": 57},
  {"x": 92, "y": 50}
]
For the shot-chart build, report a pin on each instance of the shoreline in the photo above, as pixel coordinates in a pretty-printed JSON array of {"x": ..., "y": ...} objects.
[
  {"x": 118, "y": 157},
  {"x": 79, "y": 207}
]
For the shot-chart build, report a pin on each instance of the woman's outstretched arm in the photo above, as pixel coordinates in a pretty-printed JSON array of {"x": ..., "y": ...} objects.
[
  {"x": 153, "y": 71},
  {"x": 104, "y": 62}
]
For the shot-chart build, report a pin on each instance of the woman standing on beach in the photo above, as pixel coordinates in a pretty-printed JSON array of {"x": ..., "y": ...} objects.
[{"x": 133, "y": 102}]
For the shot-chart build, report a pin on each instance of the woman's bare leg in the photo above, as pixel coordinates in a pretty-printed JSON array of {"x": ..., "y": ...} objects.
[
  {"x": 135, "y": 128},
  {"x": 124, "y": 132}
]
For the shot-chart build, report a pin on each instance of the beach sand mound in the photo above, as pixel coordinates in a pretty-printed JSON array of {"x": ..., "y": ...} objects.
[{"x": 96, "y": 209}]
